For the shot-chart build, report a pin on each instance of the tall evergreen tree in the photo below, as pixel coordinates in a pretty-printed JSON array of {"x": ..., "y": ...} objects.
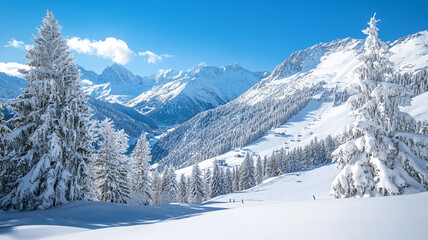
[
  {"x": 47, "y": 154},
  {"x": 222, "y": 181},
  {"x": 381, "y": 156},
  {"x": 269, "y": 167},
  {"x": 423, "y": 128},
  {"x": 228, "y": 181},
  {"x": 259, "y": 171},
  {"x": 3, "y": 131},
  {"x": 169, "y": 186},
  {"x": 182, "y": 189},
  {"x": 247, "y": 173},
  {"x": 141, "y": 172},
  {"x": 235, "y": 178},
  {"x": 188, "y": 184},
  {"x": 156, "y": 188},
  {"x": 110, "y": 164},
  {"x": 207, "y": 183},
  {"x": 3, "y": 128},
  {"x": 216, "y": 183},
  {"x": 196, "y": 188}
]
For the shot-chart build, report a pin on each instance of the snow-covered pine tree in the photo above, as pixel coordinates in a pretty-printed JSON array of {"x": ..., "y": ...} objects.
[
  {"x": 228, "y": 181},
  {"x": 182, "y": 190},
  {"x": 316, "y": 152},
  {"x": 247, "y": 173},
  {"x": 283, "y": 163},
  {"x": 216, "y": 183},
  {"x": 275, "y": 160},
  {"x": 169, "y": 186},
  {"x": 222, "y": 181},
  {"x": 156, "y": 188},
  {"x": 207, "y": 183},
  {"x": 423, "y": 128},
  {"x": 141, "y": 191},
  {"x": 235, "y": 179},
  {"x": 188, "y": 184},
  {"x": 3, "y": 128},
  {"x": 381, "y": 156},
  {"x": 110, "y": 164},
  {"x": 196, "y": 188},
  {"x": 3, "y": 131},
  {"x": 268, "y": 167},
  {"x": 50, "y": 148},
  {"x": 259, "y": 171},
  {"x": 330, "y": 145},
  {"x": 304, "y": 157}
]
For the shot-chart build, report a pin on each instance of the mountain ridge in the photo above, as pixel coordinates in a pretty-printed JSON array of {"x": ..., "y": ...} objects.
[{"x": 332, "y": 65}]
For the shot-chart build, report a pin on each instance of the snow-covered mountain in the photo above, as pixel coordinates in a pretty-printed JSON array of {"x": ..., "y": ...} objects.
[
  {"x": 170, "y": 97},
  {"x": 318, "y": 78},
  {"x": 9, "y": 86},
  {"x": 128, "y": 119},
  {"x": 114, "y": 84},
  {"x": 124, "y": 117},
  {"x": 188, "y": 93}
]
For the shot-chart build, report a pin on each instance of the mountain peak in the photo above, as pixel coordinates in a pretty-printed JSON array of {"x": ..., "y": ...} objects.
[
  {"x": 118, "y": 73},
  {"x": 234, "y": 66},
  {"x": 303, "y": 60},
  {"x": 117, "y": 68}
]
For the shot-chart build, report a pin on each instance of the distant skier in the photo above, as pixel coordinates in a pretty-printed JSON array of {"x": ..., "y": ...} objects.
[
  {"x": 242, "y": 201},
  {"x": 314, "y": 197}
]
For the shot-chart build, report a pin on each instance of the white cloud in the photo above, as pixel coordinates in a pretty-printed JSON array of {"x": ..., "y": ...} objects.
[
  {"x": 17, "y": 44},
  {"x": 86, "y": 82},
  {"x": 153, "y": 57},
  {"x": 14, "y": 43},
  {"x": 11, "y": 68},
  {"x": 111, "y": 48}
]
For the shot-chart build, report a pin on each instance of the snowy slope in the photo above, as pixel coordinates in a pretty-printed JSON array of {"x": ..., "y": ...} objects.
[
  {"x": 281, "y": 208},
  {"x": 290, "y": 187},
  {"x": 332, "y": 64},
  {"x": 131, "y": 121},
  {"x": 10, "y": 86},
  {"x": 419, "y": 108},
  {"x": 318, "y": 119},
  {"x": 410, "y": 53},
  {"x": 372, "y": 218},
  {"x": 188, "y": 93}
]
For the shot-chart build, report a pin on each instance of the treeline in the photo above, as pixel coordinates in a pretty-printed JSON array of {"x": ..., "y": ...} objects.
[
  {"x": 253, "y": 170},
  {"x": 417, "y": 81},
  {"x": 233, "y": 125}
]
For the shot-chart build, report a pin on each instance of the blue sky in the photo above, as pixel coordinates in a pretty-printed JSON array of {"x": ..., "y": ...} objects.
[{"x": 146, "y": 36}]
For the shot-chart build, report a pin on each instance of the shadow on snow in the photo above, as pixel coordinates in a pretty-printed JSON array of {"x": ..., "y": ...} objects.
[{"x": 96, "y": 215}]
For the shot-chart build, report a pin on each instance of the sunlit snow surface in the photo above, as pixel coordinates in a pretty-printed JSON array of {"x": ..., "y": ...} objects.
[
  {"x": 419, "y": 108},
  {"x": 335, "y": 68},
  {"x": 317, "y": 119},
  {"x": 281, "y": 208}
]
